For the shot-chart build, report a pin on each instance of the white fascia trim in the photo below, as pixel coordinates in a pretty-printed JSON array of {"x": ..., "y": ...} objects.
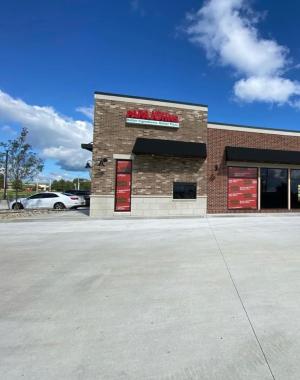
[
  {"x": 123, "y": 156},
  {"x": 252, "y": 129},
  {"x": 152, "y": 102},
  {"x": 262, "y": 165}
]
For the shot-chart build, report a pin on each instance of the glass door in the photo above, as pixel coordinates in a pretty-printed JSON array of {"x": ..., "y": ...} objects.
[{"x": 274, "y": 188}]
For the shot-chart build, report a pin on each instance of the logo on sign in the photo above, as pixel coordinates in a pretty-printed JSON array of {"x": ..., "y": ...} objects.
[{"x": 156, "y": 118}]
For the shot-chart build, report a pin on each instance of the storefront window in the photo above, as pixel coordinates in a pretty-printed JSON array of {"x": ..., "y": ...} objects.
[
  {"x": 242, "y": 188},
  {"x": 295, "y": 188},
  {"x": 184, "y": 190},
  {"x": 274, "y": 188}
]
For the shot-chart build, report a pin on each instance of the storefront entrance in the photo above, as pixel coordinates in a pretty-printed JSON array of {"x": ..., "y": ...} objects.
[
  {"x": 274, "y": 188},
  {"x": 263, "y": 188}
]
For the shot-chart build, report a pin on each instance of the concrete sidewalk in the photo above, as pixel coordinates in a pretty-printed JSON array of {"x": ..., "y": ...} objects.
[{"x": 214, "y": 298}]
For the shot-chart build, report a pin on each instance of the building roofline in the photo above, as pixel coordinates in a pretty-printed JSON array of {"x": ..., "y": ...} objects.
[
  {"x": 251, "y": 128},
  {"x": 109, "y": 94}
]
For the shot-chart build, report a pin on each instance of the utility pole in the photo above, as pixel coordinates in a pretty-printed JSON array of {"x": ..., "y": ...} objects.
[
  {"x": 5, "y": 176},
  {"x": 78, "y": 184}
]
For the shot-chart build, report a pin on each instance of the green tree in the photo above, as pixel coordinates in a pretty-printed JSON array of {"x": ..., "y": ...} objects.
[
  {"x": 84, "y": 184},
  {"x": 65, "y": 185},
  {"x": 62, "y": 185},
  {"x": 17, "y": 184},
  {"x": 23, "y": 163}
]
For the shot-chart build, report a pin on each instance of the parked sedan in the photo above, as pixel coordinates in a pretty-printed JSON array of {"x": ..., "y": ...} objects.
[
  {"x": 84, "y": 194},
  {"x": 55, "y": 200}
]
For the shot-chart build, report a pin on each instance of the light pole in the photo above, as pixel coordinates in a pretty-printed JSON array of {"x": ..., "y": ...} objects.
[
  {"x": 5, "y": 175},
  {"x": 2, "y": 173}
]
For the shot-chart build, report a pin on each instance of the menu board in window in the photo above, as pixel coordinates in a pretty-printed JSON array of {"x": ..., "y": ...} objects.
[
  {"x": 123, "y": 185},
  {"x": 242, "y": 188}
]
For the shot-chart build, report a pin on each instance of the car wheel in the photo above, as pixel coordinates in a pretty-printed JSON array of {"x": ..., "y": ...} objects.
[
  {"x": 59, "y": 206},
  {"x": 17, "y": 206}
]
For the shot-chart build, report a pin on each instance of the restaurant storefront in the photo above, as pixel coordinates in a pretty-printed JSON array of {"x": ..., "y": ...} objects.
[
  {"x": 156, "y": 157},
  {"x": 149, "y": 157},
  {"x": 252, "y": 169}
]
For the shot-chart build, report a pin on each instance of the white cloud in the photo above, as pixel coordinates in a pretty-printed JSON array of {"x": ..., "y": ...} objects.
[
  {"x": 56, "y": 136},
  {"x": 227, "y": 30},
  {"x": 71, "y": 159},
  {"x": 87, "y": 111},
  {"x": 266, "y": 89}
]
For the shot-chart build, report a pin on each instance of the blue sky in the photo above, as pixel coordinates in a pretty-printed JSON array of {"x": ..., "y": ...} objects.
[{"x": 240, "y": 57}]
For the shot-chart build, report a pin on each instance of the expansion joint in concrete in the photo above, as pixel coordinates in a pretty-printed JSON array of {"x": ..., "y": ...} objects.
[{"x": 241, "y": 300}]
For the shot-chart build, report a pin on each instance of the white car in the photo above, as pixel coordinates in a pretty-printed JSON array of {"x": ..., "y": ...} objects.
[{"x": 54, "y": 200}]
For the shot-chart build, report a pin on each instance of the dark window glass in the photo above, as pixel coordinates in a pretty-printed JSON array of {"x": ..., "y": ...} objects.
[
  {"x": 49, "y": 195},
  {"x": 184, "y": 190},
  {"x": 274, "y": 188},
  {"x": 77, "y": 192},
  {"x": 36, "y": 196},
  {"x": 295, "y": 188}
]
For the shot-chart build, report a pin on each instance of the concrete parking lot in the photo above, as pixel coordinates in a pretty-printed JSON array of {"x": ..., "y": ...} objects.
[{"x": 211, "y": 298}]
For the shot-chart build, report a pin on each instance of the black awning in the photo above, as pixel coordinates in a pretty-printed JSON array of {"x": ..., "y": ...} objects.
[
  {"x": 88, "y": 147},
  {"x": 169, "y": 148},
  {"x": 262, "y": 155}
]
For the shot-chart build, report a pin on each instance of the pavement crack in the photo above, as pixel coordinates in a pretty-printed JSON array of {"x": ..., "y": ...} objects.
[{"x": 240, "y": 299}]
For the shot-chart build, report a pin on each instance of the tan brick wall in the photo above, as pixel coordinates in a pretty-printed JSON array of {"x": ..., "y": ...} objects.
[
  {"x": 155, "y": 175},
  {"x": 218, "y": 139},
  {"x": 151, "y": 175}
]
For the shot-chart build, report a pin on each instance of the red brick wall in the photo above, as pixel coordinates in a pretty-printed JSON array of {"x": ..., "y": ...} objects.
[{"x": 218, "y": 139}]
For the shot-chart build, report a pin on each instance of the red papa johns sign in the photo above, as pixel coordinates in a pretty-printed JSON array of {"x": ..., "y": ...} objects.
[{"x": 152, "y": 115}]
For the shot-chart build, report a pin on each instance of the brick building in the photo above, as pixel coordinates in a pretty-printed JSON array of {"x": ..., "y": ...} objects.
[{"x": 156, "y": 157}]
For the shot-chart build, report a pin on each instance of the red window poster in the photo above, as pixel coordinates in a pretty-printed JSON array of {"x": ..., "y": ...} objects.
[
  {"x": 242, "y": 188},
  {"x": 123, "y": 166},
  {"x": 123, "y": 185}
]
